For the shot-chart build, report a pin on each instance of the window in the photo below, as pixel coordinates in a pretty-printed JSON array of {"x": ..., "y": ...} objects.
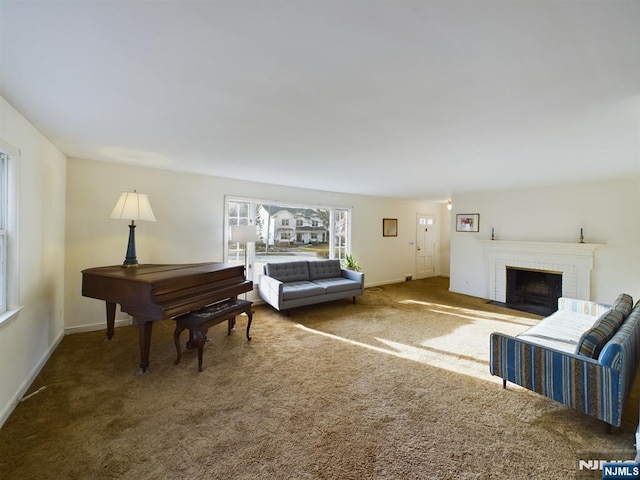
[
  {"x": 319, "y": 232},
  {"x": 8, "y": 258},
  {"x": 4, "y": 166}
]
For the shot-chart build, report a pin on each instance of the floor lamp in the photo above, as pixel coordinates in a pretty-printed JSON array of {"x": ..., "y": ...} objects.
[
  {"x": 245, "y": 234},
  {"x": 132, "y": 206}
]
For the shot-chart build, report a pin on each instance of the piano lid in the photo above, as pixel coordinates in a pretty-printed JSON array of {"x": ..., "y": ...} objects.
[
  {"x": 152, "y": 273},
  {"x": 161, "y": 291}
]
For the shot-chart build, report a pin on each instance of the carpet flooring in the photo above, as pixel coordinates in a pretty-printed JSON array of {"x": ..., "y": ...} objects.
[{"x": 394, "y": 387}]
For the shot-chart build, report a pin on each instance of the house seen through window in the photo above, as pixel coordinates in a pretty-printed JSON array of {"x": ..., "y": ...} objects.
[{"x": 286, "y": 232}]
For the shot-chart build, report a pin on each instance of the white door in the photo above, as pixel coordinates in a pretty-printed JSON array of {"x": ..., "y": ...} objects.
[{"x": 425, "y": 246}]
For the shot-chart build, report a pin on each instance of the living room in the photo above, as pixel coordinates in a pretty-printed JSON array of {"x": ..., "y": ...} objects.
[{"x": 64, "y": 203}]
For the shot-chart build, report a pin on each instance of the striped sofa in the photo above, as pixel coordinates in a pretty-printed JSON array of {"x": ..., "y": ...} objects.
[{"x": 584, "y": 356}]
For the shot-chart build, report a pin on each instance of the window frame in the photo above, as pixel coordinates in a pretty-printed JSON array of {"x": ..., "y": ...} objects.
[
  {"x": 9, "y": 303},
  {"x": 251, "y": 215}
]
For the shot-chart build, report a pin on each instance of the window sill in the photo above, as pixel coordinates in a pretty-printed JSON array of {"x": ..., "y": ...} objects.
[{"x": 10, "y": 315}]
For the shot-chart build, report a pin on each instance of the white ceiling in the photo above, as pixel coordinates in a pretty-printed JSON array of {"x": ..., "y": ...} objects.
[{"x": 414, "y": 99}]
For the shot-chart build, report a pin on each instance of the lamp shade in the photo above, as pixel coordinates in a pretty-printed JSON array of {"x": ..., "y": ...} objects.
[
  {"x": 133, "y": 206},
  {"x": 244, "y": 233}
]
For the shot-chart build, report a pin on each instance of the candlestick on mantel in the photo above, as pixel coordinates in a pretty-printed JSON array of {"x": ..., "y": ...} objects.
[
  {"x": 581, "y": 235},
  {"x": 493, "y": 237}
]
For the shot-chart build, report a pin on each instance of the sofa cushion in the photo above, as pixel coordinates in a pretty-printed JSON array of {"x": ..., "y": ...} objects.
[
  {"x": 301, "y": 289},
  {"x": 610, "y": 355},
  {"x": 561, "y": 330},
  {"x": 287, "y": 271},
  {"x": 623, "y": 304},
  {"x": 594, "y": 339},
  {"x": 333, "y": 285},
  {"x": 324, "y": 269}
]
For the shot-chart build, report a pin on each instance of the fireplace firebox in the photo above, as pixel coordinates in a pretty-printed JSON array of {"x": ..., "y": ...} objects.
[{"x": 533, "y": 291}]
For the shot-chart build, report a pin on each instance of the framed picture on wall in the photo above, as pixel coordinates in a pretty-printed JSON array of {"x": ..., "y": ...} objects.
[
  {"x": 389, "y": 227},
  {"x": 468, "y": 222}
]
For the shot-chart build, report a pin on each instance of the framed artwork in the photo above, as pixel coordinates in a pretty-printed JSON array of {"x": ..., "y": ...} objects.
[
  {"x": 468, "y": 222},
  {"x": 389, "y": 227}
]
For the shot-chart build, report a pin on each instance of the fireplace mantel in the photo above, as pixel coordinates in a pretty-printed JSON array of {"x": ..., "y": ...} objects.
[
  {"x": 573, "y": 260},
  {"x": 557, "y": 248}
]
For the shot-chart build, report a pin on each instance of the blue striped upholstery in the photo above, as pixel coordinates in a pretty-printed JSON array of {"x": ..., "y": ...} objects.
[
  {"x": 592, "y": 341},
  {"x": 623, "y": 304},
  {"x": 581, "y": 306},
  {"x": 598, "y": 387}
]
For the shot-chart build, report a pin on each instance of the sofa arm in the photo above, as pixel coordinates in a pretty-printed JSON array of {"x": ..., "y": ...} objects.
[
  {"x": 581, "y": 306},
  {"x": 353, "y": 275},
  {"x": 270, "y": 291},
  {"x": 578, "y": 382}
]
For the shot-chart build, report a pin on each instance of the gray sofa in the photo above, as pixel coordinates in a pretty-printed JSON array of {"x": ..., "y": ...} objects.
[{"x": 298, "y": 283}]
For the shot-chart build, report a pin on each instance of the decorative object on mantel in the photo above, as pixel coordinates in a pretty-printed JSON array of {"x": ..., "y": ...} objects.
[
  {"x": 389, "y": 227},
  {"x": 449, "y": 206},
  {"x": 132, "y": 206},
  {"x": 581, "y": 235},
  {"x": 468, "y": 222},
  {"x": 493, "y": 236}
]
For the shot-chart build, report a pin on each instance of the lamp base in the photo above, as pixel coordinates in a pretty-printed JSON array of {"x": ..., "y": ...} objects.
[{"x": 130, "y": 260}]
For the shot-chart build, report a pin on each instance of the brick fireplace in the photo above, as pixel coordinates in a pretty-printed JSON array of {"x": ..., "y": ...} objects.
[
  {"x": 534, "y": 291},
  {"x": 573, "y": 261}
]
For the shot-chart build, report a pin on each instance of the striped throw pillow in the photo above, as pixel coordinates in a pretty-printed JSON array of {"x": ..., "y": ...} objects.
[
  {"x": 623, "y": 304},
  {"x": 594, "y": 339}
]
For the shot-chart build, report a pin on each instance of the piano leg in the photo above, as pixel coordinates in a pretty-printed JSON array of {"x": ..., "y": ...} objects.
[
  {"x": 111, "y": 318},
  {"x": 249, "y": 313},
  {"x": 192, "y": 342},
  {"x": 144, "y": 334}
]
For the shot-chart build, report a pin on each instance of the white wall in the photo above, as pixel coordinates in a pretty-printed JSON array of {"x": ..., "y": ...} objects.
[
  {"x": 190, "y": 210},
  {"x": 609, "y": 213},
  {"x": 27, "y": 341},
  {"x": 445, "y": 241}
]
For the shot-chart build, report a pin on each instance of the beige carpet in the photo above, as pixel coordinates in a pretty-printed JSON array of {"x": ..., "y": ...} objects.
[{"x": 396, "y": 386}]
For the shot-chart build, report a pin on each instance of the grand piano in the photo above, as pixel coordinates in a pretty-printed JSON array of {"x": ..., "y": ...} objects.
[{"x": 156, "y": 292}]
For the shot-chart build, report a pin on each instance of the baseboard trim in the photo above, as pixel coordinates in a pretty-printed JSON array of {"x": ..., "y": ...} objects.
[
  {"x": 92, "y": 327},
  {"x": 468, "y": 294},
  {"x": 10, "y": 407},
  {"x": 386, "y": 282}
]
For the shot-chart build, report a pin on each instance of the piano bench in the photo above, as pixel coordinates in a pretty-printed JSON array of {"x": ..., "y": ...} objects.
[{"x": 199, "y": 321}]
